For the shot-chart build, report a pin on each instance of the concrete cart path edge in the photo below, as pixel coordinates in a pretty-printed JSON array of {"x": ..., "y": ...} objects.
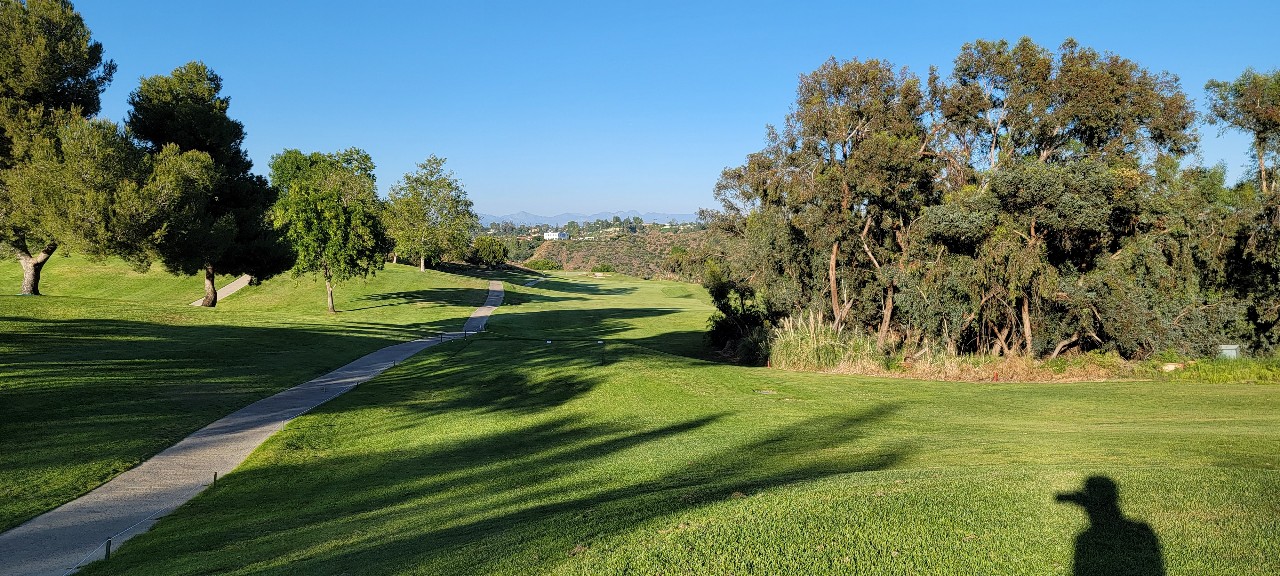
[{"x": 60, "y": 541}]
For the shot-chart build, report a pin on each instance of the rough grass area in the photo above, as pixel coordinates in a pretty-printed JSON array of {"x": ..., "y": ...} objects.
[
  {"x": 808, "y": 343},
  {"x": 507, "y": 454},
  {"x": 95, "y": 380}
]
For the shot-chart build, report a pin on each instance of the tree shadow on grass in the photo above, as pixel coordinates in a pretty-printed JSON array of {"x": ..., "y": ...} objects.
[
  {"x": 518, "y": 494},
  {"x": 576, "y": 324},
  {"x": 441, "y": 296},
  {"x": 82, "y": 400},
  {"x": 586, "y": 287}
]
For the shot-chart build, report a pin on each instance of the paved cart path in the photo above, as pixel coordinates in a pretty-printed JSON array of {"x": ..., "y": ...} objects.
[
  {"x": 229, "y": 289},
  {"x": 61, "y": 540}
]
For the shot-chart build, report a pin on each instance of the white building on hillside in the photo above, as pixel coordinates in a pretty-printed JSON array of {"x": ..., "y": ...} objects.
[{"x": 555, "y": 236}]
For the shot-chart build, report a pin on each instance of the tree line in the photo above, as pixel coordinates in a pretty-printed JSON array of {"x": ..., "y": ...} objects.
[
  {"x": 174, "y": 184},
  {"x": 1031, "y": 202}
]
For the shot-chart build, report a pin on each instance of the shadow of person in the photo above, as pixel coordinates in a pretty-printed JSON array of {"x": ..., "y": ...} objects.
[{"x": 1112, "y": 545}]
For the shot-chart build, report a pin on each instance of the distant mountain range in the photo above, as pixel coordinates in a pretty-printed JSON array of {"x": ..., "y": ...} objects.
[{"x": 561, "y": 219}]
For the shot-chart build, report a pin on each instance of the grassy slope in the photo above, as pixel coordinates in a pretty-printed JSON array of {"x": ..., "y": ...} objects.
[
  {"x": 115, "y": 366},
  {"x": 73, "y": 275},
  {"x": 509, "y": 455},
  {"x": 635, "y": 254}
]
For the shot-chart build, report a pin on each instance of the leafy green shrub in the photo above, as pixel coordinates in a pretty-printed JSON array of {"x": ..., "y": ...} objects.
[
  {"x": 542, "y": 264},
  {"x": 603, "y": 268},
  {"x": 740, "y": 322},
  {"x": 487, "y": 251}
]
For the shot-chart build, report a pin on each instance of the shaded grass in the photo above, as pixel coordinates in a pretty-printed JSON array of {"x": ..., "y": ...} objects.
[
  {"x": 509, "y": 455},
  {"x": 90, "y": 386}
]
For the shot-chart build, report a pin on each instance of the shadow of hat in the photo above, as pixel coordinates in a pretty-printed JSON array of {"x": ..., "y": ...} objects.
[{"x": 1098, "y": 491}]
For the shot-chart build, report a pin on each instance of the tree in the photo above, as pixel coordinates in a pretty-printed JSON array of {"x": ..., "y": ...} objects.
[
  {"x": 52, "y": 73},
  {"x": 1011, "y": 209},
  {"x": 96, "y": 190},
  {"x": 833, "y": 194},
  {"x": 488, "y": 251},
  {"x": 227, "y": 230},
  {"x": 1251, "y": 103},
  {"x": 429, "y": 215},
  {"x": 329, "y": 212},
  {"x": 1048, "y": 164}
]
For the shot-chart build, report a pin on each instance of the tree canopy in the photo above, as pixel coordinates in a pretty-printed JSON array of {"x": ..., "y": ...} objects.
[
  {"x": 429, "y": 215},
  {"x": 330, "y": 213},
  {"x": 1030, "y": 203},
  {"x": 1251, "y": 103},
  {"x": 487, "y": 251},
  {"x": 52, "y": 74}
]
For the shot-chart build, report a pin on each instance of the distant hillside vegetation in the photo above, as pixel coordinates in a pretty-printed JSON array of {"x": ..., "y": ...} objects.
[{"x": 648, "y": 255}]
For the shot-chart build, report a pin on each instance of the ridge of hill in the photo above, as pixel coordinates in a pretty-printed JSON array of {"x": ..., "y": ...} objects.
[{"x": 646, "y": 255}]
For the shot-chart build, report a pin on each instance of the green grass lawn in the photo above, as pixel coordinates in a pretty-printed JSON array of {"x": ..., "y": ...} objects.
[
  {"x": 506, "y": 454},
  {"x": 113, "y": 366}
]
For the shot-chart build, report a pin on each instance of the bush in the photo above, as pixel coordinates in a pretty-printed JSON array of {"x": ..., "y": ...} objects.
[
  {"x": 602, "y": 268},
  {"x": 542, "y": 264},
  {"x": 487, "y": 251},
  {"x": 740, "y": 322}
]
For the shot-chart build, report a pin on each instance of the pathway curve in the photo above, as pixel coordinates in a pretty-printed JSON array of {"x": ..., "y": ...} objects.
[
  {"x": 61, "y": 540},
  {"x": 230, "y": 288}
]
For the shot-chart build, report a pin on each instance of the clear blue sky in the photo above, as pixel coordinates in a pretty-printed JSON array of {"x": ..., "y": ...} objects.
[{"x": 556, "y": 107}]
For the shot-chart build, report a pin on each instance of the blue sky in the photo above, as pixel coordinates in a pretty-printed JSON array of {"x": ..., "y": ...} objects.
[{"x": 555, "y": 107}]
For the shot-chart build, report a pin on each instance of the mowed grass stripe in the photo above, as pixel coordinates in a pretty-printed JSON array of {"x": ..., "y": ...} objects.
[
  {"x": 509, "y": 455},
  {"x": 91, "y": 385}
]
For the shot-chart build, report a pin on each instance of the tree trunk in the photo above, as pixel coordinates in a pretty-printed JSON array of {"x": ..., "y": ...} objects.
[
  {"x": 1063, "y": 344},
  {"x": 395, "y": 259},
  {"x": 835, "y": 294},
  {"x": 328, "y": 288},
  {"x": 1262, "y": 165},
  {"x": 884, "y": 318},
  {"x": 1026, "y": 325},
  {"x": 210, "y": 290},
  {"x": 422, "y": 263},
  {"x": 1001, "y": 346},
  {"x": 31, "y": 267}
]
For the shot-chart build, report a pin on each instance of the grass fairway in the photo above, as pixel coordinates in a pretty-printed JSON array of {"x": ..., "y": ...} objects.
[
  {"x": 114, "y": 366},
  {"x": 507, "y": 454}
]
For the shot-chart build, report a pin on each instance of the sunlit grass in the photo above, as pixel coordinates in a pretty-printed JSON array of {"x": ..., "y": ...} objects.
[{"x": 507, "y": 454}]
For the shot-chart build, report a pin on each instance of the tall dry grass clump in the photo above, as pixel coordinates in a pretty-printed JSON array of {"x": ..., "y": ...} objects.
[{"x": 809, "y": 343}]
